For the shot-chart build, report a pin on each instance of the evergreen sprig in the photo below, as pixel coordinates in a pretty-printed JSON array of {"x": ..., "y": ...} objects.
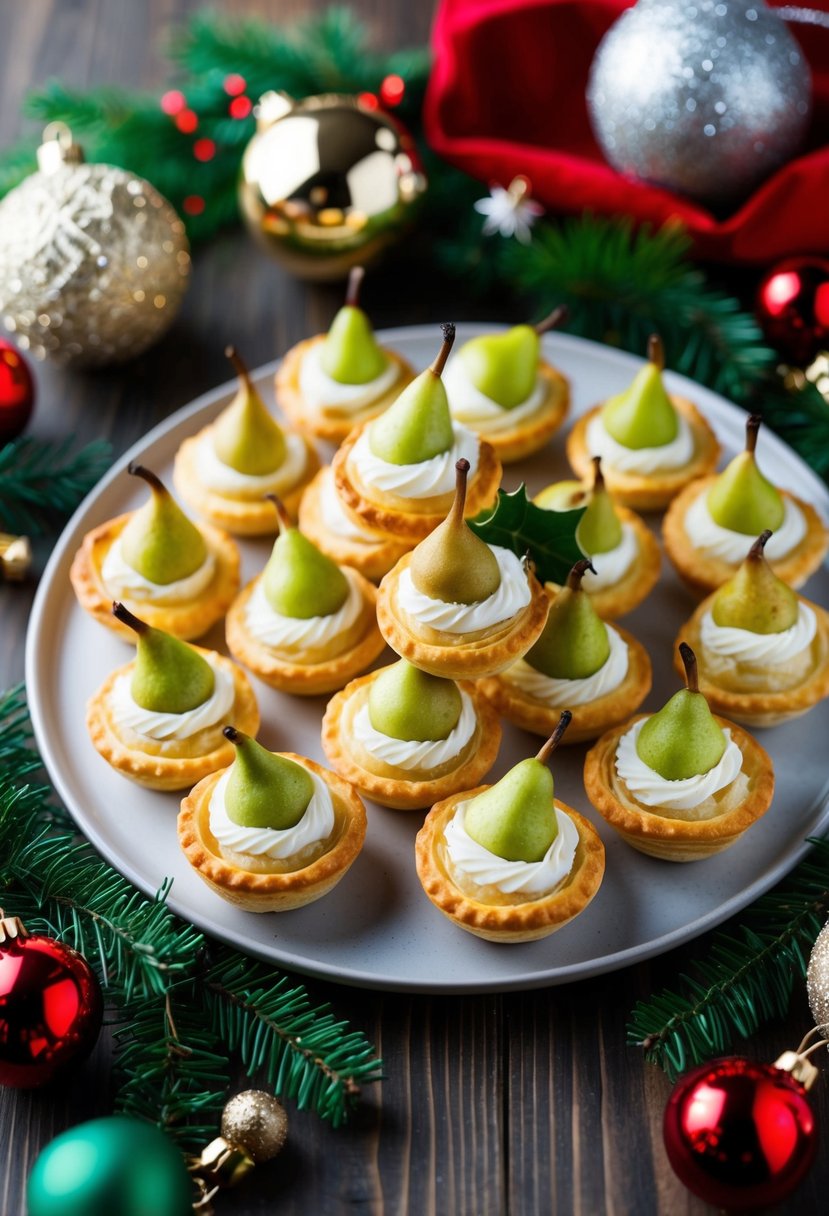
[{"x": 42, "y": 481}]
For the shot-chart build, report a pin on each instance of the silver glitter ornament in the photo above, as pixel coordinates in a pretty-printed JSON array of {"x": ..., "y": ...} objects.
[
  {"x": 706, "y": 97},
  {"x": 94, "y": 262},
  {"x": 817, "y": 979}
]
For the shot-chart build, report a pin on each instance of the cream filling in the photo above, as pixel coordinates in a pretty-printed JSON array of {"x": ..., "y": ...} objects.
[
  {"x": 427, "y": 478},
  {"x": 772, "y": 649},
  {"x": 316, "y": 824},
  {"x": 707, "y": 536},
  {"x": 671, "y": 455},
  {"x": 300, "y": 633},
  {"x": 215, "y": 475},
  {"x": 334, "y": 517},
  {"x": 481, "y": 413},
  {"x": 513, "y": 594},
  {"x": 612, "y": 566},
  {"x": 557, "y": 692},
  {"x": 322, "y": 392},
  {"x": 650, "y": 789},
  {"x": 472, "y": 861},
  {"x": 416, "y": 754},
  {"x": 122, "y": 582},
  {"x": 156, "y": 725}
]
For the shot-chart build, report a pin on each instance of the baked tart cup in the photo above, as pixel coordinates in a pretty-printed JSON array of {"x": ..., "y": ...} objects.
[
  {"x": 530, "y": 433},
  {"x": 262, "y": 884},
  {"x": 373, "y": 557},
  {"x": 639, "y": 579}
]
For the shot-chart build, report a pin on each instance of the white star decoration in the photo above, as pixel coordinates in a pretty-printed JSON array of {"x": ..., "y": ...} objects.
[{"x": 510, "y": 212}]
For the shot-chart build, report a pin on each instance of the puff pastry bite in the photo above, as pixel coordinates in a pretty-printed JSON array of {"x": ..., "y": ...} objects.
[
  {"x": 305, "y": 625},
  {"x": 396, "y": 474},
  {"x": 710, "y": 525},
  {"x": 407, "y": 739},
  {"x": 176, "y": 576},
  {"x": 501, "y": 388},
  {"x": 597, "y": 670},
  {"x": 763, "y": 651},
  {"x": 509, "y": 862},
  {"x": 274, "y": 831},
  {"x": 159, "y": 720},
  {"x": 652, "y": 443},
  {"x": 458, "y": 607},
  {"x": 681, "y": 784},
  {"x": 325, "y": 521},
  {"x": 330, "y": 383}
]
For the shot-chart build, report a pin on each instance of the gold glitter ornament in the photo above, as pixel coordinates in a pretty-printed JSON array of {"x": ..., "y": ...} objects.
[
  {"x": 94, "y": 262},
  {"x": 817, "y": 979},
  {"x": 255, "y": 1121}
]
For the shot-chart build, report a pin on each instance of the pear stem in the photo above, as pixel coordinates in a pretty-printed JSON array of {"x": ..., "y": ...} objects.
[
  {"x": 439, "y": 364},
  {"x": 756, "y": 550},
  {"x": 752, "y": 427},
  {"x": 153, "y": 481},
  {"x": 578, "y": 572},
  {"x": 656, "y": 351},
  {"x": 231, "y": 733},
  {"x": 461, "y": 474},
  {"x": 557, "y": 317},
  {"x": 239, "y": 365},
  {"x": 689, "y": 662},
  {"x": 355, "y": 282},
  {"x": 555, "y": 738},
  {"x": 598, "y": 475},
  {"x": 124, "y": 615},
  {"x": 285, "y": 521}
]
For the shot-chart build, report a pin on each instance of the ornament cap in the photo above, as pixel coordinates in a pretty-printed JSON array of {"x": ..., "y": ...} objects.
[
  {"x": 11, "y": 928},
  {"x": 15, "y": 557},
  {"x": 58, "y": 148},
  {"x": 271, "y": 107},
  {"x": 222, "y": 1163},
  {"x": 799, "y": 1067}
]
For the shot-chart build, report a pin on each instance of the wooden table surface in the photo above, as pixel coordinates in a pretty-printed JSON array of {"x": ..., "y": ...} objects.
[{"x": 522, "y": 1103}]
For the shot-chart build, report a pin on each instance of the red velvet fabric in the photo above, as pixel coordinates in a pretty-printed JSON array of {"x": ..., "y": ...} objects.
[{"x": 507, "y": 96}]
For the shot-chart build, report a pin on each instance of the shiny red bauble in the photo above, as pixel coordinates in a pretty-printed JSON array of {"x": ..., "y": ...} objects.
[
  {"x": 793, "y": 308},
  {"x": 17, "y": 392},
  {"x": 740, "y": 1134},
  {"x": 50, "y": 1009}
]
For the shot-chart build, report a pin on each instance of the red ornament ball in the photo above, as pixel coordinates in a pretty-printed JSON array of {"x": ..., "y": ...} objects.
[
  {"x": 50, "y": 1009},
  {"x": 793, "y": 308},
  {"x": 740, "y": 1134},
  {"x": 17, "y": 392}
]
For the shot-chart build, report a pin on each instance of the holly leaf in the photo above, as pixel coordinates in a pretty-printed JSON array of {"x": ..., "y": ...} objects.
[{"x": 518, "y": 524}]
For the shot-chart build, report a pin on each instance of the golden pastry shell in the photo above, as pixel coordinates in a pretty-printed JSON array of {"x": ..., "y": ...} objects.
[
  {"x": 372, "y": 560},
  {"x": 532, "y": 433}
]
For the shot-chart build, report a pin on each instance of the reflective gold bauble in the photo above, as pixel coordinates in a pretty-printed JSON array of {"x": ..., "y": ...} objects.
[
  {"x": 255, "y": 1121},
  {"x": 94, "y": 262},
  {"x": 327, "y": 182}
]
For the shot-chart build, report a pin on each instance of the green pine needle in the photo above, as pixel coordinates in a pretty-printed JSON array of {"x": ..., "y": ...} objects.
[
  {"x": 801, "y": 418},
  {"x": 41, "y": 481}
]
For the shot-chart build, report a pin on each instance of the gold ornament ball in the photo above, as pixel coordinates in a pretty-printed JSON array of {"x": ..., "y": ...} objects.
[
  {"x": 327, "y": 183},
  {"x": 94, "y": 262},
  {"x": 817, "y": 978},
  {"x": 257, "y": 1122}
]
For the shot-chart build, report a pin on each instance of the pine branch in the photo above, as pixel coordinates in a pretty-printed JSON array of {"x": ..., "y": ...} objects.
[
  {"x": 16, "y": 752},
  {"x": 42, "y": 481},
  {"x": 800, "y": 417}
]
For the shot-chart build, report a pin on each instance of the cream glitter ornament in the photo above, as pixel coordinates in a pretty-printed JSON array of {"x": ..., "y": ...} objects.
[
  {"x": 817, "y": 979},
  {"x": 94, "y": 262}
]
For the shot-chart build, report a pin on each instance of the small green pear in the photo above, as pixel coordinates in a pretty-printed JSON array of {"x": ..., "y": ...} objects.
[
  {"x": 453, "y": 564},
  {"x": 159, "y": 541},
  {"x": 504, "y": 366},
  {"x": 562, "y": 496},
  {"x": 599, "y": 529},
  {"x": 515, "y": 818},
  {"x": 265, "y": 790},
  {"x": 574, "y": 643},
  {"x": 682, "y": 740},
  {"x": 755, "y": 598},
  {"x": 418, "y": 425},
  {"x": 169, "y": 677},
  {"x": 741, "y": 498},
  {"x": 350, "y": 354},
  {"x": 245, "y": 436},
  {"x": 406, "y": 703},
  {"x": 299, "y": 581},
  {"x": 643, "y": 415}
]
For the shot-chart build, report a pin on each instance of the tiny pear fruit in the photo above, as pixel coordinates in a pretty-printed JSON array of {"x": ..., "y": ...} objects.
[
  {"x": 299, "y": 581},
  {"x": 574, "y": 643},
  {"x": 245, "y": 436},
  {"x": 504, "y": 366},
  {"x": 741, "y": 498},
  {"x": 159, "y": 541},
  {"x": 562, "y": 496},
  {"x": 453, "y": 564},
  {"x": 418, "y": 425},
  {"x": 682, "y": 740},
  {"x": 643, "y": 415},
  {"x": 406, "y": 703},
  {"x": 599, "y": 529},
  {"x": 169, "y": 677},
  {"x": 755, "y": 598},
  {"x": 265, "y": 790},
  {"x": 515, "y": 818},
  {"x": 350, "y": 354}
]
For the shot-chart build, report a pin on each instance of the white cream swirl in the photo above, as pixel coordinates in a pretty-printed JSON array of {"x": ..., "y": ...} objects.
[
  {"x": 480, "y": 413},
  {"x": 315, "y": 825},
  {"x": 425, "y": 479},
  {"x": 729, "y": 546},
  {"x": 334, "y": 517},
  {"x": 671, "y": 455},
  {"x": 512, "y": 596},
  {"x": 220, "y": 477},
  {"x": 613, "y": 565},
  {"x": 294, "y": 633},
  {"x": 157, "y": 725},
  {"x": 770, "y": 648},
  {"x": 647, "y": 787},
  {"x": 563, "y": 693},
  {"x": 472, "y": 861},
  {"x": 123, "y": 582},
  {"x": 323, "y": 392},
  {"x": 415, "y": 754}
]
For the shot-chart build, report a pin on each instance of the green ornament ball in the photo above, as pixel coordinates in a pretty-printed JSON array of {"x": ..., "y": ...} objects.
[{"x": 114, "y": 1165}]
